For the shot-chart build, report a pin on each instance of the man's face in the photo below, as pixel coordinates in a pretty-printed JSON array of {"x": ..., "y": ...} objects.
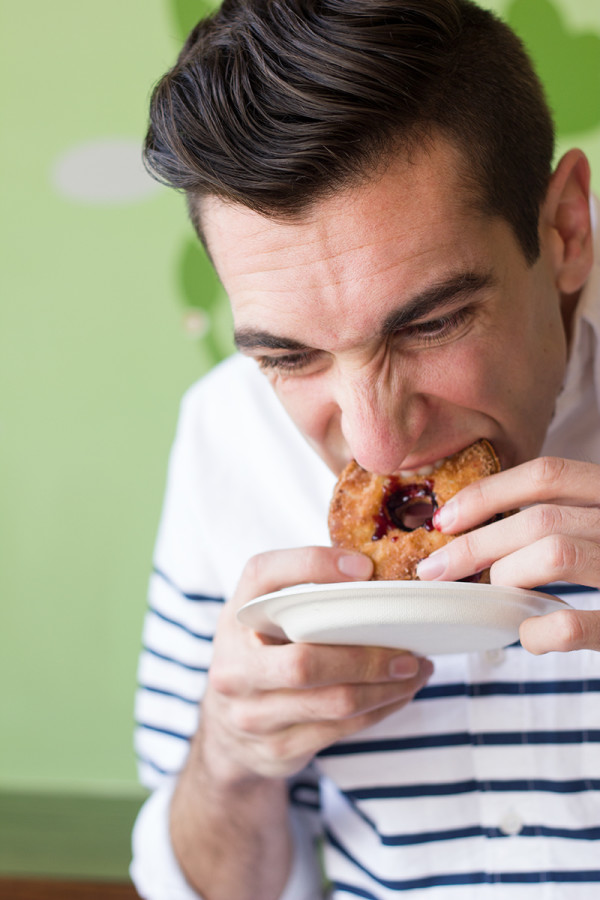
[{"x": 397, "y": 324}]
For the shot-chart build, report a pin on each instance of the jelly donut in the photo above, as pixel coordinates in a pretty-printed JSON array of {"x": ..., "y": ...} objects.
[{"x": 389, "y": 517}]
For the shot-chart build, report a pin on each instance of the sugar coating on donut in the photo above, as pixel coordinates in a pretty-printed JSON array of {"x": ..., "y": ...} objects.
[{"x": 376, "y": 514}]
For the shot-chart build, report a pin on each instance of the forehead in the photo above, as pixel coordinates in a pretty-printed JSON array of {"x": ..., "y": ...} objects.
[{"x": 388, "y": 237}]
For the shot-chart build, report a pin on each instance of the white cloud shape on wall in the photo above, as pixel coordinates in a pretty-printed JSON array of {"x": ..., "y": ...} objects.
[{"x": 104, "y": 171}]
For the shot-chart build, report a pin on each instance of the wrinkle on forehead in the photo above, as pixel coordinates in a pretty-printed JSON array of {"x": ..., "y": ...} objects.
[
  {"x": 348, "y": 222},
  {"x": 372, "y": 274},
  {"x": 324, "y": 254},
  {"x": 356, "y": 251}
]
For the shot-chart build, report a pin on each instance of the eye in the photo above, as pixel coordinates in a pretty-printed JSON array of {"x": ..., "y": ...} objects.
[
  {"x": 435, "y": 330},
  {"x": 291, "y": 362}
]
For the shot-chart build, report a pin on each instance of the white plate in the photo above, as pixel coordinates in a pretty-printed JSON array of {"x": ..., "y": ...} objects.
[{"x": 424, "y": 617}]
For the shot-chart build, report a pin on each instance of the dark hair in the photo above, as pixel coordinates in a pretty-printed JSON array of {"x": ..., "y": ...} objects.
[{"x": 275, "y": 104}]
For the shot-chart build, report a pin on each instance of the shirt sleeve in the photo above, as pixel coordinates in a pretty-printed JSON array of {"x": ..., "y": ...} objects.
[
  {"x": 184, "y": 602},
  {"x": 156, "y": 874},
  {"x": 185, "y": 599}
]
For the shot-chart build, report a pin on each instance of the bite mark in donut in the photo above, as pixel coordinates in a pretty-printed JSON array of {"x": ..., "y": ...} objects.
[
  {"x": 406, "y": 507},
  {"x": 389, "y": 518}
]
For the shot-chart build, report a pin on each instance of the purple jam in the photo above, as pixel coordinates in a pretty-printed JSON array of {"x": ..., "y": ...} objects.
[{"x": 406, "y": 507}]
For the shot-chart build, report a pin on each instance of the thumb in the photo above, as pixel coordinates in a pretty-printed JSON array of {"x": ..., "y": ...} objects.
[{"x": 561, "y": 631}]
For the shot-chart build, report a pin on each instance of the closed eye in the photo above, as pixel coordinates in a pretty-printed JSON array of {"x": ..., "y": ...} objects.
[
  {"x": 435, "y": 331},
  {"x": 290, "y": 362},
  {"x": 421, "y": 334}
]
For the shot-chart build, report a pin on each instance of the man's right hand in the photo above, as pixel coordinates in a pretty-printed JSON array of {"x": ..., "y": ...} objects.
[{"x": 271, "y": 707}]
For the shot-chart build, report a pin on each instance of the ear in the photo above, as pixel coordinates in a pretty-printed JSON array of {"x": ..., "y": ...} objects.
[{"x": 565, "y": 220}]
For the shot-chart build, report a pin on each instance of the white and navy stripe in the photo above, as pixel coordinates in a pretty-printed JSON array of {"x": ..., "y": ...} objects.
[{"x": 175, "y": 658}]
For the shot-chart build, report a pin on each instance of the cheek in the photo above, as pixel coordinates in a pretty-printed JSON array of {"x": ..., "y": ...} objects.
[
  {"x": 466, "y": 375},
  {"x": 512, "y": 378}
]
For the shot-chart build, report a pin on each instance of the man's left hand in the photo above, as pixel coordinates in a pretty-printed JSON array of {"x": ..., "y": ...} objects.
[{"x": 554, "y": 537}]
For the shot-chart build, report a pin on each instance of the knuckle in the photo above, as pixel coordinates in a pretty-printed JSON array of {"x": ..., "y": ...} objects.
[
  {"x": 545, "y": 519},
  {"x": 277, "y": 747},
  {"x": 546, "y": 471},
  {"x": 342, "y": 702},
  {"x": 562, "y": 554},
  {"x": 568, "y": 630},
  {"x": 478, "y": 490},
  {"x": 367, "y": 664},
  {"x": 297, "y": 671},
  {"x": 311, "y": 558},
  {"x": 221, "y": 679},
  {"x": 469, "y": 546},
  {"x": 473, "y": 497},
  {"x": 242, "y": 719}
]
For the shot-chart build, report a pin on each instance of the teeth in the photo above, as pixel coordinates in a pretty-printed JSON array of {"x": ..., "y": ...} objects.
[
  {"x": 423, "y": 471},
  {"x": 426, "y": 470}
]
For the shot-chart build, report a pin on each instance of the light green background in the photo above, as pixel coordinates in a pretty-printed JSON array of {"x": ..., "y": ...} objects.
[{"x": 94, "y": 356}]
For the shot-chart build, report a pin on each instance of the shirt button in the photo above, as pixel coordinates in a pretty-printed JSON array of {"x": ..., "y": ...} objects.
[
  {"x": 495, "y": 657},
  {"x": 511, "y": 823}
]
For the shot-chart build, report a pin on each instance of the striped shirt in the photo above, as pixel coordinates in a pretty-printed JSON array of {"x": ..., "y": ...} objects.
[{"x": 490, "y": 778}]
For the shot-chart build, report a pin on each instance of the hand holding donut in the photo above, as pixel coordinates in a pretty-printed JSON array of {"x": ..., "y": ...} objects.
[{"x": 555, "y": 537}]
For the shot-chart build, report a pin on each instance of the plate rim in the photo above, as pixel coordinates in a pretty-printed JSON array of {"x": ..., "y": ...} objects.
[
  {"x": 267, "y": 622},
  {"x": 305, "y": 589}
]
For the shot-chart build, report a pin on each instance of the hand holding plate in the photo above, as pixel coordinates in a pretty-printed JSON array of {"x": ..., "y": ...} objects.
[{"x": 270, "y": 706}]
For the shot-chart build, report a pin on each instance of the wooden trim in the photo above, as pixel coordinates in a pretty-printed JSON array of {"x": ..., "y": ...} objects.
[{"x": 49, "y": 889}]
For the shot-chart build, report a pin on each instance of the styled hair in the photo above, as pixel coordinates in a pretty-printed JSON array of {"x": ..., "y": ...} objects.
[{"x": 276, "y": 104}]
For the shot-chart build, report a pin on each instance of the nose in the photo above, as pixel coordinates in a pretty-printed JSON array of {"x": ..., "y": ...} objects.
[{"x": 377, "y": 423}]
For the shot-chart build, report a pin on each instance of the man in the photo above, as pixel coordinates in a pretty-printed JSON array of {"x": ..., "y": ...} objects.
[{"x": 373, "y": 181}]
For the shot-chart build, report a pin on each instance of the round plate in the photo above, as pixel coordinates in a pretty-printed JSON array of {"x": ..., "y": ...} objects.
[{"x": 424, "y": 617}]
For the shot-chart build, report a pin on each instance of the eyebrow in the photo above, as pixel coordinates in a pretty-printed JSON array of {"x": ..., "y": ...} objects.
[{"x": 432, "y": 299}]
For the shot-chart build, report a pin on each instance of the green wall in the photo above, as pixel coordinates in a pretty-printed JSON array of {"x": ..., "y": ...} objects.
[{"x": 108, "y": 311}]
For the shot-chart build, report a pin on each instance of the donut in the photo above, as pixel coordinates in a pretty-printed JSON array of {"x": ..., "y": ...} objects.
[{"x": 389, "y": 517}]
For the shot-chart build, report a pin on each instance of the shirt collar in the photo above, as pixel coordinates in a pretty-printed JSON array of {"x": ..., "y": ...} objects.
[
  {"x": 588, "y": 307},
  {"x": 584, "y": 354}
]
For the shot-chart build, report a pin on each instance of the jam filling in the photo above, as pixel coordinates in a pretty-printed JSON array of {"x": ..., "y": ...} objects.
[{"x": 406, "y": 507}]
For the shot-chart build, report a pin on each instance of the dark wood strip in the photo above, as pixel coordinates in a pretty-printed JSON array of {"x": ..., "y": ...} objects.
[{"x": 50, "y": 889}]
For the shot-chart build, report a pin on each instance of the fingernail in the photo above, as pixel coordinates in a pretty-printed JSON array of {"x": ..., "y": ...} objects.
[
  {"x": 445, "y": 516},
  {"x": 404, "y": 667},
  {"x": 356, "y": 566},
  {"x": 433, "y": 566}
]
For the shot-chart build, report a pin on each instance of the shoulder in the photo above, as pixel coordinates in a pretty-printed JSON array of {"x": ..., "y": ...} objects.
[
  {"x": 232, "y": 399},
  {"x": 231, "y": 420},
  {"x": 228, "y": 386},
  {"x": 250, "y": 479}
]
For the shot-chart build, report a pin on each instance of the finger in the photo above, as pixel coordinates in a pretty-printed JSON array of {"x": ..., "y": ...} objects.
[
  {"x": 553, "y": 558},
  {"x": 289, "y": 750},
  {"x": 562, "y": 631},
  {"x": 277, "y": 569},
  {"x": 273, "y": 711},
  {"x": 477, "y": 550},
  {"x": 547, "y": 479},
  {"x": 304, "y": 666}
]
